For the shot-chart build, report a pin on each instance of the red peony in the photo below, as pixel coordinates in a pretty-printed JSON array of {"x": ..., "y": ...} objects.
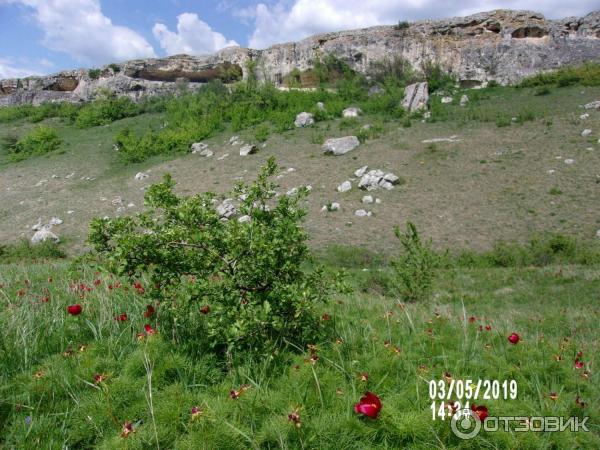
[
  {"x": 481, "y": 411},
  {"x": 74, "y": 310},
  {"x": 514, "y": 338},
  {"x": 369, "y": 405}
]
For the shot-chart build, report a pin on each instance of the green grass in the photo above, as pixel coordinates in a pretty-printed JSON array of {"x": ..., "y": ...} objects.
[{"x": 49, "y": 360}]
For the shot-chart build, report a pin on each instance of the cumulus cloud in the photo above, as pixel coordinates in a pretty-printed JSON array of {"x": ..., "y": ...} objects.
[
  {"x": 193, "y": 36},
  {"x": 80, "y": 29},
  {"x": 285, "y": 21},
  {"x": 9, "y": 70}
]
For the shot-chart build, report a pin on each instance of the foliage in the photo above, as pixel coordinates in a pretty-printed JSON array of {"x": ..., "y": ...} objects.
[
  {"x": 394, "y": 71},
  {"x": 248, "y": 276},
  {"x": 414, "y": 268},
  {"x": 262, "y": 132},
  {"x": 587, "y": 75},
  {"x": 40, "y": 141},
  {"x": 402, "y": 25},
  {"x": 94, "y": 74},
  {"x": 437, "y": 79},
  {"x": 25, "y": 251},
  {"x": 105, "y": 109}
]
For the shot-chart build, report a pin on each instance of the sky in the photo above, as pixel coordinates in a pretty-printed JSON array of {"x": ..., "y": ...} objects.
[{"x": 45, "y": 36}]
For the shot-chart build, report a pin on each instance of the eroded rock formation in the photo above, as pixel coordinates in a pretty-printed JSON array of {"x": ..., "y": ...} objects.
[{"x": 501, "y": 45}]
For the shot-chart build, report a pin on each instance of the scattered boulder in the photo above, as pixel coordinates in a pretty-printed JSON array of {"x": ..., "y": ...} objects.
[
  {"x": 367, "y": 199},
  {"x": 464, "y": 100},
  {"x": 586, "y": 132},
  {"x": 345, "y": 186},
  {"x": 598, "y": 234},
  {"x": 244, "y": 219},
  {"x": 593, "y": 105},
  {"x": 447, "y": 99},
  {"x": 226, "y": 209},
  {"x": 221, "y": 158},
  {"x": 375, "y": 179},
  {"x": 340, "y": 146},
  {"x": 569, "y": 161},
  {"x": 584, "y": 116},
  {"x": 351, "y": 112},
  {"x": 55, "y": 221},
  {"x": 248, "y": 149},
  {"x": 360, "y": 172},
  {"x": 44, "y": 234},
  {"x": 362, "y": 213},
  {"x": 37, "y": 226},
  {"x": 333, "y": 206},
  {"x": 304, "y": 119},
  {"x": 234, "y": 140},
  {"x": 140, "y": 176},
  {"x": 321, "y": 106},
  {"x": 416, "y": 97},
  {"x": 200, "y": 148},
  {"x": 375, "y": 90}
]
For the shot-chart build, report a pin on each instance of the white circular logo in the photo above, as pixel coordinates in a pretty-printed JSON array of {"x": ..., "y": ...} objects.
[{"x": 465, "y": 424}]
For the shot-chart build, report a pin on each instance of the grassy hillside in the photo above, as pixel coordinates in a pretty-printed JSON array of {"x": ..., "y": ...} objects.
[{"x": 492, "y": 183}]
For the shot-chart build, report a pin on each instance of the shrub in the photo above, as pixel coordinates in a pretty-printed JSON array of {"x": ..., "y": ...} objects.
[
  {"x": 37, "y": 142},
  {"x": 106, "y": 109},
  {"x": 222, "y": 285},
  {"x": 392, "y": 71},
  {"x": 115, "y": 68},
  {"x": 402, "y": 25},
  {"x": 542, "y": 90},
  {"x": 414, "y": 268},
  {"x": 262, "y": 132},
  {"x": 94, "y": 74},
  {"x": 502, "y": 120},
  {"x": 437, "y": 79},
  {"x": 587, "y": 75}
]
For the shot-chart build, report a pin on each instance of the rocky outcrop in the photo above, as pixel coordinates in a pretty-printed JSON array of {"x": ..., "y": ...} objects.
[{"x": 501, "y": 45}]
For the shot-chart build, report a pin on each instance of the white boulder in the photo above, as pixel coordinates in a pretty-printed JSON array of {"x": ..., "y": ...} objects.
[
  {"x": 351, "y": 112},
  {"x": 345, "y": 186},
  {"x": 340, "y": 146},
  {"x": 304, "y": 119},
  {"x": 248, "y": 149}
]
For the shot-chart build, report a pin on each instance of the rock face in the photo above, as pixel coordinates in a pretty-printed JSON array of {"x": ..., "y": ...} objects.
[
  {"x": 340, "y": 146},
  {"x": 501, "y": 45},
  {"x": 416, "y": 97},
  {"x": 44, "y": 234}
]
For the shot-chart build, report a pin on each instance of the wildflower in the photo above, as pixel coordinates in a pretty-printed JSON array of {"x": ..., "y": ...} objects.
[
  {"x": 580, "y": 402},
  {"x": 481, "y": 411},
  {"x": 97, "y": 282},
  {"x": 121, "y": 317},
  {"x": 149, "y": 311},
  {"x": 68, "y": 352},
  {"x": 369, "y": 405},
  {"x": 237, "y": 394},
  {"x": 578, "y": 364},
  {"x": 472, "y": 319},
  {"x": 364, "y": 376},
  {"x": 488, "y": 328},
  {"x": 127, "y": 429},
  {"x": 99, "y": 378},
  {"x": 553, "y": 396},
  {"x": 39, "y": 374},
  {"x": 514, "y": 338},
  {"x": 294, "y": 417},
  {"x": 325, "y": 317},
  {"x": 45, "y": 299},
  {"x": 196, "y": 412},
  {"x": 149, "y": 329},
  {"x": 205, "y": 309},
  {"x": 74, "y": 310},
  {"x": 448, "y": 376}
]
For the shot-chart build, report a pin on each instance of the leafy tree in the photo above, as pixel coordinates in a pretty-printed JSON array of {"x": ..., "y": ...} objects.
[{"x": 223, "y": 285}]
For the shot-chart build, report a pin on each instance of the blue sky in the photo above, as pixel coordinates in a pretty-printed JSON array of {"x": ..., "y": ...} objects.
[{"x": 45, "y": 36}]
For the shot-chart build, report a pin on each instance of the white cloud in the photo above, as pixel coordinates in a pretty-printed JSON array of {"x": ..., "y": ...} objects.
[
  {"x": 193, "y": 37},
  {"x": 80, "y": 29},
  {"x": 9, "y": 70},
  {"x": 283, "y": 23}
]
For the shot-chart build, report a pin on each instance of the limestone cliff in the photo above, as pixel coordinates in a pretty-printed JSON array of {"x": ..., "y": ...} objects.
[{"x": 501, "y": 45}]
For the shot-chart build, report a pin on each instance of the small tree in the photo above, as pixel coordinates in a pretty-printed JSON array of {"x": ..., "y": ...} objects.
[
  {"x": 222, "y": 284},
  {"x": 415, "y": 267}
]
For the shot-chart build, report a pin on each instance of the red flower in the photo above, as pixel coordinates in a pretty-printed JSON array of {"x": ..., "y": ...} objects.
[
  {"x": 481, "y": 411},
  {"x": 514, "y": 338},
  {"x": 294, "y": 417},
  {"x": 205, "y": 309},
  {"x": 97, "y": 282},
  {"x": 21, "y": 292},
  {"x": 488, "y": 328},
  {"x": 127, "y": 429},
  {"x": 196, "y": 412},
  {"x": 74, "y": 310},
  {"x": 149, "y": 311},
  {"x": 578, "y": 364},
  {"x": 137, "y": 285},
  {"x": 364, "y": 377},
  {"x": 553, "y": 395},
  {"x": 580, "y": 402},
  {"x": 149, "y": 329},
  {"x": 99, "y": 378},
  {"x": 472, "y": 319},
  {"x": 121, "y": 317},
  {"x": 369, "y": 405},
  {"x": 45, "y": 299},
  {"x": 325, "y": 317}
]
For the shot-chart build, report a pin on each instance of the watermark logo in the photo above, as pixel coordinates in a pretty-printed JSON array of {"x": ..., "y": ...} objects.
[{"x": 466, "y": 424}]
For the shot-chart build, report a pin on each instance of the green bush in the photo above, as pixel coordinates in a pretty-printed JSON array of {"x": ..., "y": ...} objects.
[
  {"x": 39, "y": 141},
  {"x": 503, "y": 120},
  {"x": 94, "y": 74},
  {"x": 542, "y": 90},
  {"x": 414, "y": 269},
  {"x": 402, "y": 25},
  {"x": 249, "y": 289},
  {"x": 587, "y": 75},
  {"x": 437, "y": 79},
  {"x": 106, "y": 109},
  {"x": 262, "y": 132}
]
